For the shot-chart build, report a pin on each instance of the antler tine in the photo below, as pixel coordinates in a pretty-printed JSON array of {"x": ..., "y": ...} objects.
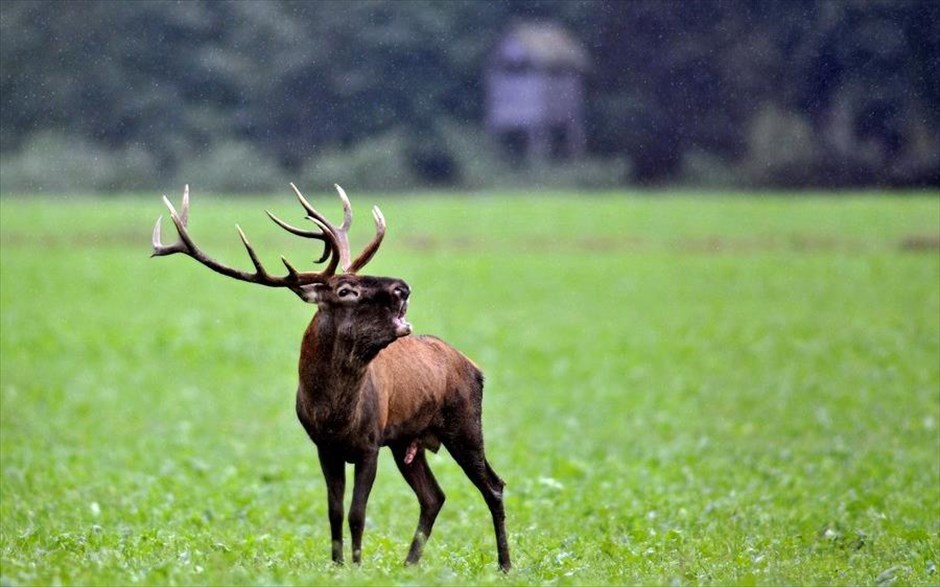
[
  {"x": 366, "y": 255},
  {"x": 259, "y": 268},
  {"x": 294, "y": 230},
  {"x": 185, "y": 245},
  {"x": 311, "y": 211},
  {"x": 321, "y": 235},
  {"x": 184, "y": 207},
  {"x": 332, "y": 247},
  {"x": 347, "y": 208}
]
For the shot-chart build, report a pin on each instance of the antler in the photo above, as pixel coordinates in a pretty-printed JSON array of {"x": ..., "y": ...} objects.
[
  {"x": 293, "y": 279},
  {"x": 335, "y": 240},
  {"x": 338, "y": 234}
]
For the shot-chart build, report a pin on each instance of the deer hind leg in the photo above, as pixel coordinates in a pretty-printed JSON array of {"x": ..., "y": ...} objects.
[
  {"x": 470, "y": 457},
  {"x": 414, "y": 468}
]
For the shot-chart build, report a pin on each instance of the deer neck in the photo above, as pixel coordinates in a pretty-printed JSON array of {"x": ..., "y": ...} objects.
[{"x": 332, "y": 368}]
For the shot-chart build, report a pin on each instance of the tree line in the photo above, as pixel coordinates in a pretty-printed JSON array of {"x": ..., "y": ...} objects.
[{"x": 388, "y": 94}]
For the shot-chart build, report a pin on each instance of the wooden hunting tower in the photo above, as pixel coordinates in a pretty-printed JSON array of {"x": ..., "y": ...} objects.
[{"x": 535, "y": 92}]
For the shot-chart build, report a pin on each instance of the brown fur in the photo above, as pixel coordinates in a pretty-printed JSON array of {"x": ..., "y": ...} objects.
[{"x": 364, "y": 386}]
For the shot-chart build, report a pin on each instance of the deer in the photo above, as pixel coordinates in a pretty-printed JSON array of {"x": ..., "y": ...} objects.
[{"x": 365, "y": 381}]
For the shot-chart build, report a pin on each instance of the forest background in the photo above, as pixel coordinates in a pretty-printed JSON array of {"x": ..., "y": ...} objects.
[{"x": 126, "y": 96}]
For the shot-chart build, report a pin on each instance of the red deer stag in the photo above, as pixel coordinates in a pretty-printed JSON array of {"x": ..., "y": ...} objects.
[{"x": 364, "y": 383}]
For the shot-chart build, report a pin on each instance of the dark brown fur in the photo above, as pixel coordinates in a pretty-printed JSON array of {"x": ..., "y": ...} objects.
[{"x": 362, "y": 386}]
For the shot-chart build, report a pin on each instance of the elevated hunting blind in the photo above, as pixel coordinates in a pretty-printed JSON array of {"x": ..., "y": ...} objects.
[{"x": 535, "y": 92}]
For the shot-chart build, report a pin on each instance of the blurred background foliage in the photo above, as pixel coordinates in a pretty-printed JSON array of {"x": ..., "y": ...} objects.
[{"x": 388, "y": 94}]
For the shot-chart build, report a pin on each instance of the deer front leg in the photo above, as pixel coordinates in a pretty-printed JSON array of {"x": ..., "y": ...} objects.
[
  {"x": 334, "y": 472},
  {"x": 364, "y": 478}
]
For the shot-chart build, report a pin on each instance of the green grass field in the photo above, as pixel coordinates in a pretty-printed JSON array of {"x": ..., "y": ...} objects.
[{"x": 681, "y": 390}]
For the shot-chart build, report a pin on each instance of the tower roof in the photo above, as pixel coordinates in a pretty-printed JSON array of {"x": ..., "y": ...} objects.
[{"x": 542, "y": 45}]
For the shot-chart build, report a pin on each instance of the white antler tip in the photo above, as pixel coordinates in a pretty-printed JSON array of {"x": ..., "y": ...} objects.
[
  {"x": 156, "y": 233},
  {"x": 169, "y": 204},
  {"x": 185, "y": 206},
  {"x": 379, "y": 218},
  {"x": 347, "y": 208}
]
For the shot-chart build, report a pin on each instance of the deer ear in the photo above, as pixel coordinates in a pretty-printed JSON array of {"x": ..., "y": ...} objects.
[{"x": 311, "y": 293}]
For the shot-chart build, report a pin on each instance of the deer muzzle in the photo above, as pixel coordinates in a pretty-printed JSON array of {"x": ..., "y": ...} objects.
[{"x": 402, "y": 327}]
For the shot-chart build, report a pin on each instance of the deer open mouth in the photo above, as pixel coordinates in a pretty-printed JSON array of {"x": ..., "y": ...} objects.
[{"x": 402, "y": 327}]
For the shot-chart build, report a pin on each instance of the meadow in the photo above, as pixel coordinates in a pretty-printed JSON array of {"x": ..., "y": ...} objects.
[{"x": 680, "y": 390}]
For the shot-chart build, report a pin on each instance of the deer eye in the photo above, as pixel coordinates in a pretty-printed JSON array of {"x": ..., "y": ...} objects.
[{"x": 345, "y": 292}]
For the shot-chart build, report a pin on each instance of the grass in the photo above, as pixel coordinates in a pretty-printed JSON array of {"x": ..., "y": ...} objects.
[{"x": 719, "y": 390}]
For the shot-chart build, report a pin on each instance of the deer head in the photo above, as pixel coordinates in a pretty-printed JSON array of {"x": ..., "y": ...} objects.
[{"x": 368, "y": 309}]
